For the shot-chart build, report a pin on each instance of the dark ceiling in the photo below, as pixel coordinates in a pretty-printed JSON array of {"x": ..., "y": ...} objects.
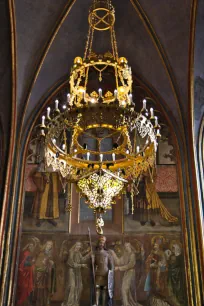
[{"x": 153, "y": 35}]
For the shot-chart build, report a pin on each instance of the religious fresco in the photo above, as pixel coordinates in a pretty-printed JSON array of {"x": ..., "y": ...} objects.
[
  {"x": 156, "y": 208},
  {"x": 139, "y": 261},
  {"x": 146, "y": 269},
  {"x": 46, "y": 200}
]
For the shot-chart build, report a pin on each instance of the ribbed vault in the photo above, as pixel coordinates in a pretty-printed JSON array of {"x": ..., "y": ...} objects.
[{"x": 154, "y": 38}]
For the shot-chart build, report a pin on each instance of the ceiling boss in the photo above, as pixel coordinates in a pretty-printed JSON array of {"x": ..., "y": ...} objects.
[{"x": 99, "y": 141}]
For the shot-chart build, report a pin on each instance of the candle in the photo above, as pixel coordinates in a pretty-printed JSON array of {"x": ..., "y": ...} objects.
[
  {"x": 43, "y": 120},
  {"x": 151, "y": 113},
  {"x": 54, "y": 140},
  {"x": 42, "y": 132},
  {"x": 130, "y": 97},
  {"x": 158, "y": 133},
  {"x": 138, "y": 149},
  {"x": 63, "y": 147},
  {"x": 144, "y": 104},
  {"x": 64, "y": 106},
  {"x": 115, "y": 93},
  {"x": 100, "y": 92},
  {"x": 48, "y": 112},
  {"x": 68, "y": 98},
  {"x": 127, "y": 151},
  {"x": 88, "y": 155},
  {"x": 56, "y": 104},
  {"x": 113, "y": 156},
  {"x": 101, "y": 157},
  {"x": 84, "y": 94},
  {"x": 156, "y": 121},
  {"x": 75, "y": 151}
]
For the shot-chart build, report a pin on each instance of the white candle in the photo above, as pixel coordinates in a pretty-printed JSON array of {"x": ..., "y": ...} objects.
[
  {"x": 43, "y": 120},
  {"x": 88, "y": 155},
  {"x": 101, "y": 157},
  {"x": 158, "y": 133},
  {"x": 156, "y": 121},
  {"x": 48, "y": 112},
  {"x": 127, "y": 151},
  {"x": 144, "y": 104},
  {"x": 152, "y": 112},
  {"x": 42, "y": 132},
  {"x": 138, "y": 149},
  {"x": 130, "y": 97},
  {"x": 115, "y": 93},
  {"x": 100, "y": 92},
  {"x": 113, "y": 156},
  {"x": 68, "y": 98},
  {"x": 63, "y": 147},
  {"x": 54, "y": 140},
  {"x": 56, "y": 104}
]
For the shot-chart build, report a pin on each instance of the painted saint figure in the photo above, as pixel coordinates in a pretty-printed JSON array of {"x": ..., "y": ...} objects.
[
  {"x": 175, "y": 274},
  {"x": 25, "y": 285},
  {"x": 156, "y": 280},
  {"x": 104, "y": 268},
  {"x": 127, "y": 264},
  {"x": 156, "y": 267},
  {"x": 45, "y": 277},
  {"x": 74, "y": 263},
  {"x": 46, "y": 202}
]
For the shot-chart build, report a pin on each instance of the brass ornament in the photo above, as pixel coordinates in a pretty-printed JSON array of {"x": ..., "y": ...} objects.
[
  {"x": 99, "y": 114},
  {"x": 101, "y": 16}
]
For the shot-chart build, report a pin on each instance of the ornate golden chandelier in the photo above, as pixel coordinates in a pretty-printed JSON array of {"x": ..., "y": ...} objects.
[{"x": 99, "y": 141}]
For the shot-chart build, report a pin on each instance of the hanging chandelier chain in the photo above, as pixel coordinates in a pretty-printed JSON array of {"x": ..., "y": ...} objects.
[
  {"x": 86, "y": 77},
  {"x": 112, "y": 43},
  {"x": 87, "y": 42},
  {"x": 91, "y": 42},
  {"x": 115, "y": 46}
]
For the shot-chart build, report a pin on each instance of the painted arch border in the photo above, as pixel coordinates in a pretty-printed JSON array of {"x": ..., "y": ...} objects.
[{"x": 200, "y": 163}]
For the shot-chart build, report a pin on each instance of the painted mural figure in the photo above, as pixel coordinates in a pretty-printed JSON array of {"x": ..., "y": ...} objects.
[
  {"x": 175, "y": 273},
  {"x": 74, "y": 263},
  {"x": 156, "y": 280},
  {"x": 46, "y": 203},
  {"x": 104, "y": 270},
  {"x": 25, "y": 284},
  {"x": 45, "y": 275},
  {"x": 127, "y": 264}
]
